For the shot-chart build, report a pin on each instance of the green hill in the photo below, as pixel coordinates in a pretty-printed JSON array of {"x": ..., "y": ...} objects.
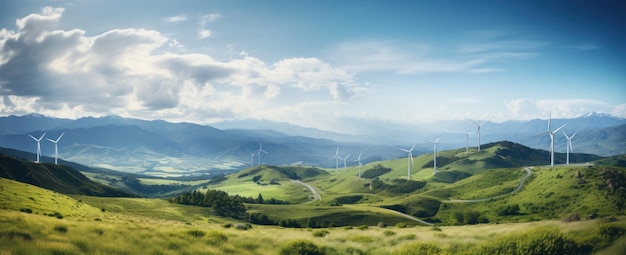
[{"x": 60, "y": 178}]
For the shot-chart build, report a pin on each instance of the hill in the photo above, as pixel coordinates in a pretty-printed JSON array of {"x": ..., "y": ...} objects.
[{"x": 60, "y": 178}]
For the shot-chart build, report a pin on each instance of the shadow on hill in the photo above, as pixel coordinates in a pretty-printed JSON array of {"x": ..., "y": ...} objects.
[{"x": 59, "y": 178}]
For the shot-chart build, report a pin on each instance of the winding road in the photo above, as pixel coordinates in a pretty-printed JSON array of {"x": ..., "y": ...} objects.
[{"x": 317, "y": 197}]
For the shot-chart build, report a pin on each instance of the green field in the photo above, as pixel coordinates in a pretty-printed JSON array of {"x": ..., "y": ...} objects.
[
  {"x": 472, "y": 206},
  {"x": 152, "y": 226}
]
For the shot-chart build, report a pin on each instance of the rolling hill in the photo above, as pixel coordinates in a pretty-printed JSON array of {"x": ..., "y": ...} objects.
[{"x": 59, "y": 178}]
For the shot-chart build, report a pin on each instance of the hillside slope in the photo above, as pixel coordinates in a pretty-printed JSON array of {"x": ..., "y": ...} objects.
[{"x": 60, "y": 178}]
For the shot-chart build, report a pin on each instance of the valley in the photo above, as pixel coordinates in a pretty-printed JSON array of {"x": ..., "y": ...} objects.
[{"x": 478, "y": 202}]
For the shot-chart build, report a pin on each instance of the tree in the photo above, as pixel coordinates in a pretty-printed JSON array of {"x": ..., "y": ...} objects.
[{"x": 260, "y": 199}]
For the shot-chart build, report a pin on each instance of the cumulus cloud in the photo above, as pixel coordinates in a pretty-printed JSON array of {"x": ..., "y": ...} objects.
[{"x": 131, "y": 72}]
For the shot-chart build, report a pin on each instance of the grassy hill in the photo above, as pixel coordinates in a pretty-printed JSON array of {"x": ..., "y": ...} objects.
[
  {"x": 154, "y": 226},
  {"x": 58, "y": 178}
]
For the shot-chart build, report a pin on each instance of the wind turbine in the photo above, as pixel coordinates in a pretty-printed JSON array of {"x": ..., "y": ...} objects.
[
  {"x": 359, "y": 160},
  {"x": 435, "y": 155},
  {"x": 409, "y": 160},
  {"x": 259, "y": 152},
  {"x": 551, "y": 133},
  {"x": 467, "y": 141},
  {"x": 38, "y": 144},
  {"x": 252, "y": 158},
  {"x": 336, "y": 158},
  {"x": 569, "y": 145},
  {"x": 344, "y": 160},
  {"x": 56, "y": 148},
  {"x": 478, "y": 130}
]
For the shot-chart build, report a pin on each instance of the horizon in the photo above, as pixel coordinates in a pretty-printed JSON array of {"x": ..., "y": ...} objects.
[{"x": 325, "y": 65}]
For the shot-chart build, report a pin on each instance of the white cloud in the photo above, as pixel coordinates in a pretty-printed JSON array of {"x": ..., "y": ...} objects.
[
  {"x": 525, "y": 109},
  {"x": 130, "y": 72},
  {"x": 204, "y": 32},
  {"x": 176, "y": 19}
]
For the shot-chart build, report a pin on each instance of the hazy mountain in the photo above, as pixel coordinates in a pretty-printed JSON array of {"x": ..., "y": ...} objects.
[{"x": 162, "y": 148}]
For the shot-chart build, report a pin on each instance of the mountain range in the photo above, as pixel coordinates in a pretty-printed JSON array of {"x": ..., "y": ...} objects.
[{"x": 161, "y": 148}]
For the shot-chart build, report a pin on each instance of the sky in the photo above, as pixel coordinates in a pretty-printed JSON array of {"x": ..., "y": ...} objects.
[{"x": 321, "y": 64}]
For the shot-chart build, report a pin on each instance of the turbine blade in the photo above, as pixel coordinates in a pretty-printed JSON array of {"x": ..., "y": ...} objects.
[
  {"x": 52, "y": 141},
  {"x": 412, "y": 162},
  {"x": 60, "y": 136},
  {"x": 436, "y": 141},
  {"x": 412, "y": 147},
  {"x": 474, "y": 122},
  {"x": 566, "y": 137},
  {"x": 549, "y": 120},
  {"x": 359, "y": 157},
  {"x": 44, "y": 133},
  {"x": 405, "y": 150},
  {"x": 573, "y": 135},
  {"x": 32, "y": 137},
  {"x": 559, "y": 128}
]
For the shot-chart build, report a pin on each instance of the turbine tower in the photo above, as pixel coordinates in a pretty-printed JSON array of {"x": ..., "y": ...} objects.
[
  {"x": 252, "y": 158},
  {"x": 467, "y": 141},
  {"x": 56, "y": 148},
  {"x": 478, "y": 131},
  {"x": 569, "y": 145},
  {"x": 435, "y": 155},
  {"x": 359, "y": 160},
  {"x": 336, "y": 158},
  {"x": 259, "y": 152},
  {"x": 38, "y": 144},
  {"x": 409, "y": 160},
  {"x": 551, "y": 133},
  {"x": 344, "y": 161}
]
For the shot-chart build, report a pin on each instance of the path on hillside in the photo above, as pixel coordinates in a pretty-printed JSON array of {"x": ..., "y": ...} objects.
[
  {"x": 316, "y": 196},
  {"x": 521, "y": 183}
]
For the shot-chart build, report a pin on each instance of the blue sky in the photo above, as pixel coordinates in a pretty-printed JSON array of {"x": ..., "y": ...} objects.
[{"x": 320, "y": 64}]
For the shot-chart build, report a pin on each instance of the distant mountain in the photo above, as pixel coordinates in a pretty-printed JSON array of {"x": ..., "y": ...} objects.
[
  {"x": 161, "y": 148},
  {"x": 59, "y": 178}
]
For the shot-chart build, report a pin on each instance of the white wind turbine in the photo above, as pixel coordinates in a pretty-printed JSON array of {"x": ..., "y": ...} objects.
[
  {"x": 409, "y": 160},
  {"x": 38, "y": 144},
  {"x": 467, "y": 141},
  {"x": 551, "y": 133},
  {"x": 478, "y": 130},
  {"x": 344, "y": 160},
  {"x": 56, "y": 148},
  {"x": 359, "y": 160},
  {"x": 569, "y": 145},
  {"x": 252, "y": 158},
  {"x": 435, "y": 155},
  {"x": 259, "y": 152},
  {"x": 336, "y": 158}
]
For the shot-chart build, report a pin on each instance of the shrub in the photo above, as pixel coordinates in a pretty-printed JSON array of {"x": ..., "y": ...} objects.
[
  {"x": 400, "y": 225},
  {"x": 363, "y": 227},
  {"x": 347, "y": 227},
  {"x": 60, "y": 229},
  {"x": 242, "y": 226},
  {"x": 389, "y": 233},
  {"x": 382, "y": 224},
  {"x": 26, "y": 210},
  {"x": 13, "y": 233},
  {"x": 320, "y": 233},
  {"x": 301, "y": 247},
  {"x": 196, "y": 233},
  {"x": 227, "y": 225}
]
